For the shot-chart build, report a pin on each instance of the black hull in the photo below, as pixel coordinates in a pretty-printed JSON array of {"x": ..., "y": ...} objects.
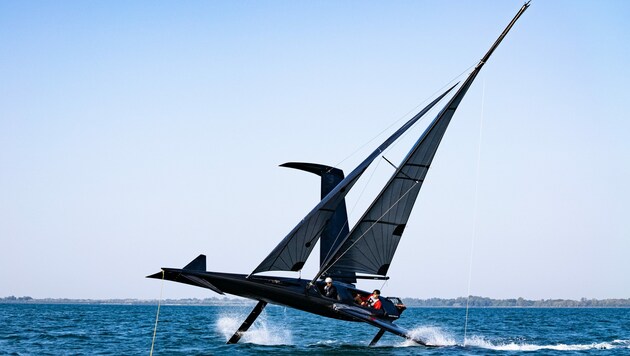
[{"x": 290, "y": 292}]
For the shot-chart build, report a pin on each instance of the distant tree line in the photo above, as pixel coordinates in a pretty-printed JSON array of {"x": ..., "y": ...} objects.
[
  {"x": 16, "y": 299},
  {"x": 483, "y": 302},
  {"x": 473, "y": 302}
]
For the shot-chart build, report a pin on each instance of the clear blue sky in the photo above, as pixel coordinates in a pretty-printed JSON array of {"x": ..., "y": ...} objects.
[{"x": 136, "y": 135}]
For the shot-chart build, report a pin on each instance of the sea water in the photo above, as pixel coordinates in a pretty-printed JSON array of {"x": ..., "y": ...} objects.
[{"x": 56, "y": 329}]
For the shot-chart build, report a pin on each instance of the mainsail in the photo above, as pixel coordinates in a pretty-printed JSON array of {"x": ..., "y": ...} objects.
[
  {"x": 291, "y": 253},
  {"x": 370, "y": 246}
]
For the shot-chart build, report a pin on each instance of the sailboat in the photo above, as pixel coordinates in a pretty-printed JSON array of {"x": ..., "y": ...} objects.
[{"x": 346, "y": 255}]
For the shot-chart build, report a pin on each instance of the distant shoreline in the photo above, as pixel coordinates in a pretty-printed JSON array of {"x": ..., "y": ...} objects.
[{"x": 461, "y": 302}]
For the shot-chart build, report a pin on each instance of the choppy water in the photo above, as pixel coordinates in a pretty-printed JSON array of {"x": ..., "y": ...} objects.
[{"x": 190, "y": 330}]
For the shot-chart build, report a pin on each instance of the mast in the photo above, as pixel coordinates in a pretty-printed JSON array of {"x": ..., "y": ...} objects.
[
  {"x": 291, "y": 253},
  {"x": 370, "y": 246}
]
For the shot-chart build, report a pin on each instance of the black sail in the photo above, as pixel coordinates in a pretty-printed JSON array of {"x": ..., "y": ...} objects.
[
  {"x": 291, "y": 253},
  {"x": 370, "y": 246}
]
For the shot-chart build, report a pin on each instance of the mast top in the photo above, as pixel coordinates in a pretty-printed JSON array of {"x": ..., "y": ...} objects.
[{"x": 503, "y": 34}]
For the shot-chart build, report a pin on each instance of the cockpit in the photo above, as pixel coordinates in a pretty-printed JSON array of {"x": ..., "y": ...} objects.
[{"x": 350, "y": 295}]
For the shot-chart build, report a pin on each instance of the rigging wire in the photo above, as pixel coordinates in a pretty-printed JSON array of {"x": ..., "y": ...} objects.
[
  {"x": 370, "y": 227},
  {"x": 475, "y": 210},
  {"x": 157, "y": 315},
  {"x": 393, "y": 145},
  {"x": 354, "y": 206},
  {"x": 383, "y": 286},
  {"x": 414, "y": 109}
]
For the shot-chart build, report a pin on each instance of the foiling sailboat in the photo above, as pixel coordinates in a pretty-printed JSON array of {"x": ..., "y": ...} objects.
[{"x": 346, "y": 255}]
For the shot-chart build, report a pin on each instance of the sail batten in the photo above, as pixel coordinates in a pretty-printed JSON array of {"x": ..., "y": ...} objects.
[
  {"x": 302, "y": 239},
  {"x": 393, "y": 205}
]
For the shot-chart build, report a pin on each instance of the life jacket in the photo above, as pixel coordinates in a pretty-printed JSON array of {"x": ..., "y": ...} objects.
[{"x": 374, "y": 302}]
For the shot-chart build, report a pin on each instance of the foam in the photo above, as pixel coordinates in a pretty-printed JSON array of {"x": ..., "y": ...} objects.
[
  {"x": 260, "y": 333},
  {"x": 480, "y": 342},
  {"x": 433, "y": 336}
]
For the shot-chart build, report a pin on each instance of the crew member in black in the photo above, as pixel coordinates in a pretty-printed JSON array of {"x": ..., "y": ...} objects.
[{"x": 330, "y": 291}]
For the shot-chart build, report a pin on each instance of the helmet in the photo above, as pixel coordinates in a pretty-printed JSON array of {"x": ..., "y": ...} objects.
[{"x": 328, "y": 280}]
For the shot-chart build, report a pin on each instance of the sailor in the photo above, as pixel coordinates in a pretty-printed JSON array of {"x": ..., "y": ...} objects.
[
  {"x": 375, "y": 300},
  {"x": 359, "y": 299},
  {"x": 330, "y": 291}
]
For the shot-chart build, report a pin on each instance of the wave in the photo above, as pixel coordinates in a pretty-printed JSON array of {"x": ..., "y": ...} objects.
[
  {"x": 480, "y": 342},
  {"x": 268, "y": 333},
  {"x": 260, "y": 333},
  {"x": 436, "y": 336},
  {"x": 433, "y": 336}
]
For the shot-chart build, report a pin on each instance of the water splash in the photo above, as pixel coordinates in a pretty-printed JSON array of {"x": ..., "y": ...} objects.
[
  {"x": 436, "y": 336},
  {"x": 480, "y": 342},
  {"x": 433, "y": 336},
  {"x": 260, "y": 333}
]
